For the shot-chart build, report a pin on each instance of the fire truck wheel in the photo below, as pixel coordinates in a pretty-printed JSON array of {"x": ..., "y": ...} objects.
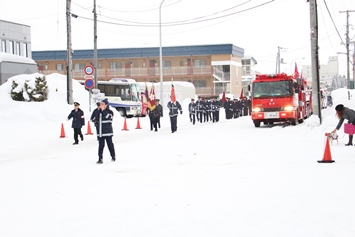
[
  {"x": 294, "y": 122},
  {"x": 256, "y": 123}
]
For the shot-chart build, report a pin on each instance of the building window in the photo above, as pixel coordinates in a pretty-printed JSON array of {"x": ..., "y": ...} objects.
[
  {"x": 200, "y": 83},
  {"x": 166, "y": 64},
  {"x": 12, "y": 49},
  {"x": 3, "y": 46},
  {"x": 99, "y": 65},
  {"x": 181, "y": 63},
  {"x": 79, "y": 67},
  {"x": 246, "y": 70},
  {"x": 59, "y": 67},
  {"x": 198, "y": 63},
  {"x": 114, "y": 66},
  {"x": 144, "y": 64},
  {"x": 24, "y": 50},
  {"x": 135, "y": 64},
  {"x": 18, "y": 49}
]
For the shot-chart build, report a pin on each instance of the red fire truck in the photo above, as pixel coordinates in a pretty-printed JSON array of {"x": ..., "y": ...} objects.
[{"x": 280, "y": 98}]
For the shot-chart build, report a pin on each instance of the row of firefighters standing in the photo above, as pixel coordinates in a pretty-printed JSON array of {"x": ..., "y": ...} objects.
[{"x": 208, "y": 109}]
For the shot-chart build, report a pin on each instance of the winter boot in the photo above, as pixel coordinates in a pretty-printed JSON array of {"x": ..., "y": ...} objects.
[
  {"x": 113, "y": 159},
  {"x": 350, "y": 143},
  {"x": 99, "y": 161}
]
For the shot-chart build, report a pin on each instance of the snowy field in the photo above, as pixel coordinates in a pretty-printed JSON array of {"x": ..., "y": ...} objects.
[{"x": 225, "y": 179}]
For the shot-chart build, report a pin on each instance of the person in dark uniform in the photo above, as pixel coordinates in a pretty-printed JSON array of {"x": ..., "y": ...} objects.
[
  {"x": 174, "y": 108},
  {"x": 156, "y": 113},
  {"x": 246, "y": 107},
  {"x": 228, "y": 108},
  {"x": 217, "y": 106},
  {"x": 78, "y": 121},
  {"x": 157, "y": 103},
  {"x": 214, "y": 105},
  {"x": 199, "y": 109},
  {"x": 235, "y": 108},
  {"x": 192, "y": 111},
  {"x": 239, "y": 107},
  {"x": 249, "y": 105},
  {"x": 204, "y": 110},
  {"x": 105, "y": 131},
  {"x": 343, "y": 113},
  {"x": 151, "y": 118},
  {"x": 95, "y": 116}
]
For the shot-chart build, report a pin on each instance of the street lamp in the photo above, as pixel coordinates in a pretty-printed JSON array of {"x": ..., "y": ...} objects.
[
  {"x": 293, "y": 61},
  {"x": 161, "y": 56}
]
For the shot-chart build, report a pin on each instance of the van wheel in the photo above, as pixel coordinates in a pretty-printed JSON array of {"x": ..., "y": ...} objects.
[{"x": 122, "y": 112}]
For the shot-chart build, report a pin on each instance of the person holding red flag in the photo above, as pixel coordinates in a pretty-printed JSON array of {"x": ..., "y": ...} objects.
[{"x": 174, "y": 107}]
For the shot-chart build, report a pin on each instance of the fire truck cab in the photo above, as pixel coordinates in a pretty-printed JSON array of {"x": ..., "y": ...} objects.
[{"x": 280, "y": 98}]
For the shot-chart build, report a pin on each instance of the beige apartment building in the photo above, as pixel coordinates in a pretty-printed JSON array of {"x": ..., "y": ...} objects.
[{"x": 211, "y": 68}]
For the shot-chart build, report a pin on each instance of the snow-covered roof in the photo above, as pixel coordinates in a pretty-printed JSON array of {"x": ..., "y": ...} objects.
[{"x": 7, "y": 57}]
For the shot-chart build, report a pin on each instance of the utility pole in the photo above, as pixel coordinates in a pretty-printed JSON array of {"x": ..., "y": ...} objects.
[
  {"x": 95, "y": 45},
  {"x": 315, "y": 59},
  {"x": 69, "y": 56},
  {"x": 353, "y": 62},
  {"x": 278, "y": 60},
  {"x": 347, "y": 44}
]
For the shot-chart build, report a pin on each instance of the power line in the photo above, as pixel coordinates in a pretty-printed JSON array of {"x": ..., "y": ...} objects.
[
  {"x": 333, "y": 22},
  {"x": 185, "y": 22},
  {"x": 140, "y": 11},
  {"x": 176, "y": 22}
]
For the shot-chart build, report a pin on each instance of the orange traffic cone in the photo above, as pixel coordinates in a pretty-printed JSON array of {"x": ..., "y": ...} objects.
[
  {"x": 327, "y": 157},
  {"x": 125, "y": 125},
  {"x": 62, "y": 133},
  {"x": 89, "y": 129},
  {"x": 138, "y": 124}
]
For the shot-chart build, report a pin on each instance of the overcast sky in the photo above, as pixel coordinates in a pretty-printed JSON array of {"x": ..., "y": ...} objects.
[{"x": 257, "y": 26}]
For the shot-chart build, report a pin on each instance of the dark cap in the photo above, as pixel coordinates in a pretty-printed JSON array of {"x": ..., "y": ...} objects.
[
  {"x": 105, "y": 101},
  {"x": 339, "y": 107},
  {"x": 76, "y": 104},
  {"x": 192, "y": 100},
  {"x": 98, "y": 103},
  {"x": 157, "y": 100}
]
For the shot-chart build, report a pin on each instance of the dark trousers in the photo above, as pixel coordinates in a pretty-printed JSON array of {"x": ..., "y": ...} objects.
[
  {"x": 235, "y": 113},
  {"x": 192, "y": 118},
  {"x": 158, "y": 121},
  {"x": 199, "y": 116},
  {"x": 77, "y": 132},
  {"x": 173, "y": 123},
  {"x": 154, "y": 123},
  {"x": 216, "y": 115},
  {"x": 110, "y": 146}
]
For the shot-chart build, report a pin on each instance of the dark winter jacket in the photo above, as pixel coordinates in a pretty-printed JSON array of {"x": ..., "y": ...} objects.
[
  {"x": 78, "y": 118},
  {"x": 104, "y": 128},
  {"x": 157, "y": 112},
  {"x": 95, "y": 116},
  {"x": 200, "y": 105},
  {"x": 192, "y": 108},
  {"x": 215, "y": 105},
  {"x": 349, "y": 114},
  {"x": 174, "y": 108}
]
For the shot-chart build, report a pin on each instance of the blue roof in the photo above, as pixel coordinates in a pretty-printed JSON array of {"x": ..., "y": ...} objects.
[{"x": 194, "y": 50}]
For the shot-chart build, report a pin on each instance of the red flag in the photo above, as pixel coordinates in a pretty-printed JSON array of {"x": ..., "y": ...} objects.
[
  {"x": 296, "y": 74},
  {"x": 151, "y": 99},
  {"x": 172, "y": 95},
  {"x": 241, "y": 95},
  {"x": 146, "y": 93},
  {"x": 224, "y": 97}
]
